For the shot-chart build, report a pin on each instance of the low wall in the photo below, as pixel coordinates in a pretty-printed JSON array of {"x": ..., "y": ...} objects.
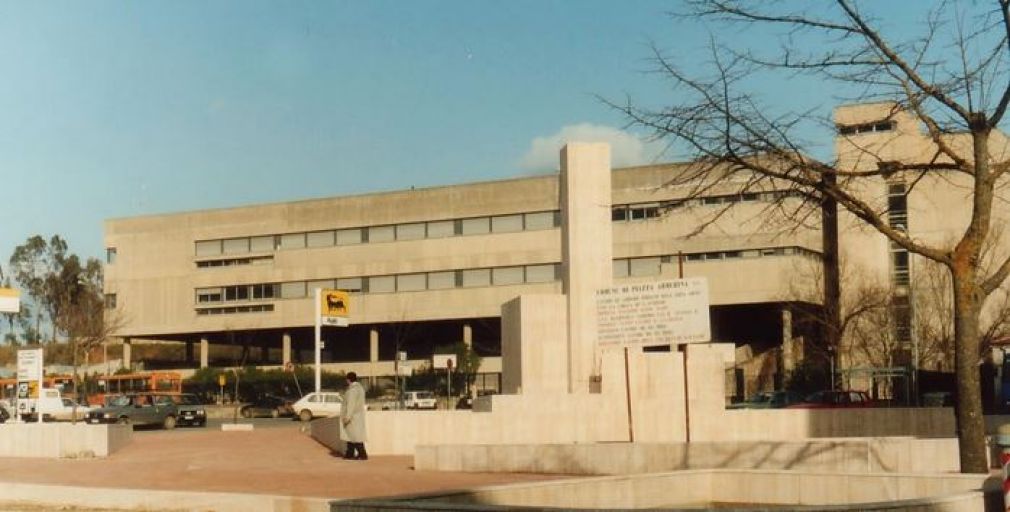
[
  {"x": 57, "y": 497},
  {"x": 825, "y": 491},
  {"x": 62, "y": 440},
  {"x": 792, "y": 424},
  {"x": 571, "y": 418},
  {"x": 873, "y": 455},
  {"x": 584, "y": 419}
]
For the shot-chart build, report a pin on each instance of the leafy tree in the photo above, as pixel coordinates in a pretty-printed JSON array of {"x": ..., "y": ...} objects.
[
  {"x": 467, "y": 365},
  {"x": 952, "y": 78},
  {"x": 29, "y": 265}
]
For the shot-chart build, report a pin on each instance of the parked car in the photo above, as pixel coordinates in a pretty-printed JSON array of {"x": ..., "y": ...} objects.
[
  {"x": 835, "y": 400},
  {"x": 769, "y": 400},
  {"x": 190, "y": 410},
  {"x": 419, "y": 400},
  {"x": 321, "y": 404},
  {"x": 269, "y": 405},
  {"x": 138, "y": 409}
]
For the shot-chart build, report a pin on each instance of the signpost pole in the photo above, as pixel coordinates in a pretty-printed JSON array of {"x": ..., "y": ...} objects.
[
  {"x": 38, "y": 398},
  {"x": 448, "y": 367},
  {"x": 318, "y": 338},
  {"x": 627, "y": 393}
]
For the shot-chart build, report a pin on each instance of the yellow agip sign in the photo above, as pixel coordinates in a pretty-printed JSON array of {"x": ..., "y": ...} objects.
[
  {"x": 10, "y": 300},
  {"x": 335, "y": 307}
]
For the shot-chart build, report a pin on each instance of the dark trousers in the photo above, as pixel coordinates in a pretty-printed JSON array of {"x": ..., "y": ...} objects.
[{"x": 355, "y": 451}]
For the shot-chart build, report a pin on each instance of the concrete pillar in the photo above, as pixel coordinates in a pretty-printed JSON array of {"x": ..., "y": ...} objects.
[
  {"x": 127, "y": 345},
  {"x": 586, "y": 254},
  {"x": 788, "y": 355},
  {"x": 204, "y": 352},
  {"x": 468, "y": 335},
  {"x": 285, "y": 349},
  {"x": 373, "y": 355}
]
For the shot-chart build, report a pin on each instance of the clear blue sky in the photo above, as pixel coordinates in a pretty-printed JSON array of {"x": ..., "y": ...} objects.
[{"x": 114, "y": 109}]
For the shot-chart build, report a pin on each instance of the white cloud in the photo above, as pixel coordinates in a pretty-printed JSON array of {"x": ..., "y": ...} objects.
[{"x": 626, "y": 149}]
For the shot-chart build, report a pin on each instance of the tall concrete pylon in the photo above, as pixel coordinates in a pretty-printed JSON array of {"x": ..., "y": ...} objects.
[{"x": 586, "y": 252}]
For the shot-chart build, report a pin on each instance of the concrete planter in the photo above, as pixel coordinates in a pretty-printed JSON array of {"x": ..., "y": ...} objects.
[{"x": 62, "y": 440}]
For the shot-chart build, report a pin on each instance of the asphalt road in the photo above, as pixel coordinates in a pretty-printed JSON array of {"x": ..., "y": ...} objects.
[{"x": 215, "y": 424}]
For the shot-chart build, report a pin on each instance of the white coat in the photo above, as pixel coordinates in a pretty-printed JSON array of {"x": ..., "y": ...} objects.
[{"x": 352, "y": 414}]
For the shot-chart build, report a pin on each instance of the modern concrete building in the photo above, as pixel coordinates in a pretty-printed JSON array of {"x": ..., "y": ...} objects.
[{"x": 432, "y": 267}]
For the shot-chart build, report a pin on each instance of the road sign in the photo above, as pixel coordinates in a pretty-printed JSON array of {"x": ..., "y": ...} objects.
[
  {"x": 30, "y": 364},
  {"x": 10, "y": 300},
  {"x": 335, "y": 308},
  {"x": 443, "y": 361},
  {"x": 221, "y": 380}
]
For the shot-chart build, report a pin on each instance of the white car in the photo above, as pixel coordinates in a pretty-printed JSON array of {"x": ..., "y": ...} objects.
[
  {"x": 419, "y": 400},
  {"x": 54, "y": 407},
  {"x": 314, "y": 405}
]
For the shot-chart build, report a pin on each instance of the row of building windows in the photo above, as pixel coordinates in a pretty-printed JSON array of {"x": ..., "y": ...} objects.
[
  {"x": 897, "y": 218},
  {"x": 879, "y": 126},
  {"x": 644, "y": 211},
  {"x": 231, "y": 262},
  {"x": 253, "y": 308},
  {"x": 374, "y": 234},
  {"x": 468, "y": 278},
  {"x": 436, "y": 229},
  {"x": 498, "y": 276},
  {"x": 651, "y": 266}
]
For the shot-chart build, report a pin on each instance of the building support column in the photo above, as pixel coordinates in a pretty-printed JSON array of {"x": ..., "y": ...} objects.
[
  {"x": 373, "y": 355},
  {"x": 127, "y": 346},
  {"x": 285, "y": 348},
  {"x": 468, "y": 335},
  {"x": 204, "y": 352}
]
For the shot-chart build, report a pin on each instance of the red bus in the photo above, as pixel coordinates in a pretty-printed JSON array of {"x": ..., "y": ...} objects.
[{"x": 166, "y": 382}]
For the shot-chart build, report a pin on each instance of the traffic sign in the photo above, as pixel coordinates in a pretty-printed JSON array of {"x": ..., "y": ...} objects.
[
  {"x": 335, "y": 307},
  {"x": 30, "y": 364},
  {"x": 10, "y": 300},
  {"x": 444, "y": 361}
]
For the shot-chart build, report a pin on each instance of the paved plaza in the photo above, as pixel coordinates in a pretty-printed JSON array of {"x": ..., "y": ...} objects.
[{"x": 275, "y": 461}]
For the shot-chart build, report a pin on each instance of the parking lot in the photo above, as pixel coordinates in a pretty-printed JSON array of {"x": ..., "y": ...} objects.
[{"x": 276, "y": 458}]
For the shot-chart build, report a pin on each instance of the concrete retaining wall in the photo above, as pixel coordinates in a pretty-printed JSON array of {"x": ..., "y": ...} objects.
[
  {"x": 584, "y": 419},
  {"x": 792, "y": 424},
  {"x": 873, "y": 455},
  {"x": 825, "y": 491},
  {"x": 62, "y": 440}
]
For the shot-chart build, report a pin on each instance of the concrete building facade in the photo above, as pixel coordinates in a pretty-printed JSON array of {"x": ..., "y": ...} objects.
[{"x": 432, "y": 267}]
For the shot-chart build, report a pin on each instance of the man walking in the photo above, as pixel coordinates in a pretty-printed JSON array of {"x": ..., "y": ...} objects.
[{"x": 352, "y": 419}]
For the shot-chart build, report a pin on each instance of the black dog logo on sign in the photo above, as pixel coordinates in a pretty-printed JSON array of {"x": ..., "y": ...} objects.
[{"x": 335, "y": 305}]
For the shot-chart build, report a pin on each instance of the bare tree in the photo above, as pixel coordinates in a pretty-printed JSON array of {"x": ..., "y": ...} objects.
[
  {"x": 952, "y": 78},
  {"x": 864, "y": 316}
]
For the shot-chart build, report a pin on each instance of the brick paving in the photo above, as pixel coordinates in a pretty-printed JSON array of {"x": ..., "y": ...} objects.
[{"x": 278, "y": 461}]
